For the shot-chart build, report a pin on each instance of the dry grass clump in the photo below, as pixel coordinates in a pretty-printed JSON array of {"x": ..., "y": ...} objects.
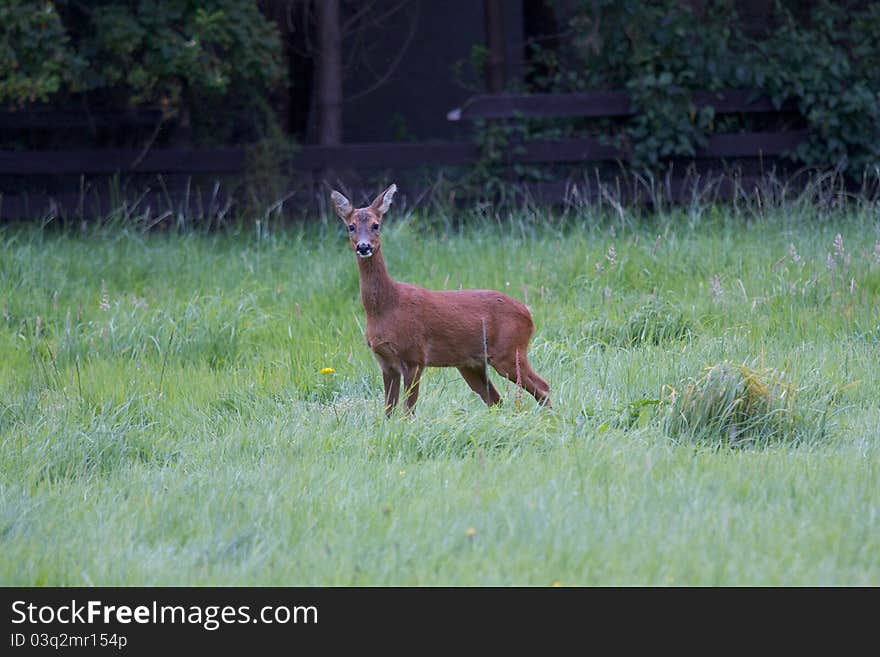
[{"x": 739, "y": 405}]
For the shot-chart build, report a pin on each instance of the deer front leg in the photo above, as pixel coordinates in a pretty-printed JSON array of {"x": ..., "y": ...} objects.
[
  {"x": 412, "y": 375},
  {"x": 391, "y": 379}
]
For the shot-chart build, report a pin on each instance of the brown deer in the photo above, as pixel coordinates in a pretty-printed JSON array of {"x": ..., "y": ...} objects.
[{"x": 410, "y": 328}]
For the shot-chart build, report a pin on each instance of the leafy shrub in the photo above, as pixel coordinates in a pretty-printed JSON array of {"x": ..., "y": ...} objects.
[
  {"x": 830, "y": 67},
  {"x": 178, "y": 54},
  {"x": 826, "y": 60},
  {"x": 183, "y": 57},
  {"x": 35, "y": 54}
]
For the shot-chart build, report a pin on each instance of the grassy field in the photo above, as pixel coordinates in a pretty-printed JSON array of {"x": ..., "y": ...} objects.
[{"x": 164, "y": 419}]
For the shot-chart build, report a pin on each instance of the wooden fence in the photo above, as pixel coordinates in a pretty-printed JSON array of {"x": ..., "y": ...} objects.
[{"x": 311, "y": 161}]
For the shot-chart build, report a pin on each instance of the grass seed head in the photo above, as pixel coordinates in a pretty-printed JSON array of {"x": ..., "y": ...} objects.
[{"x": 715, "y": 288}]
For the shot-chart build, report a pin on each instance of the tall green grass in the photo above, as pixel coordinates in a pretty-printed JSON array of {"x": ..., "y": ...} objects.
[{"x": 164, "y": 418}]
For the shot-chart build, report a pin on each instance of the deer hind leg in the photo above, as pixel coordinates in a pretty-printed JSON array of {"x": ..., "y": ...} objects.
[
  {"x": 391, "y": 379},
  {"x": 412, "y": 375},
  {"x": 538, "y": 387},
  {"x": 516, "y": 368},
  {"x": 478, "y": 379}
]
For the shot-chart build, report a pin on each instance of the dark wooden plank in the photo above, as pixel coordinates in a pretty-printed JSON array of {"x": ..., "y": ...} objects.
[
  {"x": 752, "y": 144},
  {"x": 366, "y": 156},
  {"x": 582, "y": 149},
  {"x": 678, "y": 189},
  {"x": 740, "y": 101},
  {"x": 503, "y": 106},
  {"x": 202, "y": 203},
  {"x": 625, "y": 190},
  {"x": 550, "y": 150},
  {"x": 448, "y": 154},
  {"x": 601, "y": 104},
  {"x": 232, "y": 160},
  {"x": 26, "y": 163},
  {"x": 56, "y": 119},
  {"x": 591, "y": 149},
  {"x": 378, "y": 155}
]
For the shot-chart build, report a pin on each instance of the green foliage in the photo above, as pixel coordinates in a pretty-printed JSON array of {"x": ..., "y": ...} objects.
[
  {"x": 213, "y": 61},
  {"x": 663, "y": 75},
  {"x": 661, "y": 51},
  {"x": 830, "y": 67},
  {"x": 35, "y": 55},
  {"x": 267, "y": 166},
  {"x": 164, "y": 52},
  {"x": 489, "y": 174}
]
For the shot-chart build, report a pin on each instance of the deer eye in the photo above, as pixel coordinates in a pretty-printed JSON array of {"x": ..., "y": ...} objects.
[
  {"x": 350, "y": 228},
  {"x": 375, "y": 226}
]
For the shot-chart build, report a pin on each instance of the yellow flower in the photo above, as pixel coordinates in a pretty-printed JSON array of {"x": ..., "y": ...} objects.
[
  {"x": 470, "y": 532},
  {"x": 328, "y": 370},
  {"x": 556, "y": 584}
]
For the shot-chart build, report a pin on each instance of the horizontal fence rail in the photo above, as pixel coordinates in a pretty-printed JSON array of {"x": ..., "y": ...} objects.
[
  {"x": 315, "y": 161},
  {"x": 599, "y": 104},
  {"x": 382, "y": 155},
  {"x": 46, "y": 118},
  {"x": 369, "y": 156},
  {"x": 112, "y": 161}
]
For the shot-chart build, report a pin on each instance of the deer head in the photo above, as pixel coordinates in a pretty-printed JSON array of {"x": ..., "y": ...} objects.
[{"x": 363, "y": 223}]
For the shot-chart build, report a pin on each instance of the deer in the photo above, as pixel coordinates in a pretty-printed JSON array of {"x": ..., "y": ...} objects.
[{"x": 409, "y": 327}]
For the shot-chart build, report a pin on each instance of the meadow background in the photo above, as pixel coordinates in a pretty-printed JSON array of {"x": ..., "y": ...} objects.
[{"x": 164, "y": 419}]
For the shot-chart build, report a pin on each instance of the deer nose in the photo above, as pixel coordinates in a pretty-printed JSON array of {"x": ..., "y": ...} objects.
[{"x": 364, "y": 249}]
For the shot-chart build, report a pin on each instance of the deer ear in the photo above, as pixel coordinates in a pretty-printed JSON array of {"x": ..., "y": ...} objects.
[
  {"x": 383, "y": 201},
  {"x": 342, "y": 205}
]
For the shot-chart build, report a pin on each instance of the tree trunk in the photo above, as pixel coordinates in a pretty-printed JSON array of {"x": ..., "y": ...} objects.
[
  {"x": 329, "y": 78},
  {"x": 495, "y": 67}
]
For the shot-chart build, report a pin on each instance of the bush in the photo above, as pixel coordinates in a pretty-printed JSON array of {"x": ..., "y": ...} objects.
[
  {"x": 830, "y": 68},
  {"x": 176, "y": 51},
  {"x": 35, "y": 54},
  {"x": 826, "y": 60},
  {"x": 182, "y": 57}
]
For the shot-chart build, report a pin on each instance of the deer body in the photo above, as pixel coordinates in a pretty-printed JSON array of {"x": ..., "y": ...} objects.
[{"x": 410, "y": 327}]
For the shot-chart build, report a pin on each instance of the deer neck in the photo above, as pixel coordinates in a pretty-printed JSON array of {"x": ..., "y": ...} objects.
[{"x": 378, "y": 292}]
